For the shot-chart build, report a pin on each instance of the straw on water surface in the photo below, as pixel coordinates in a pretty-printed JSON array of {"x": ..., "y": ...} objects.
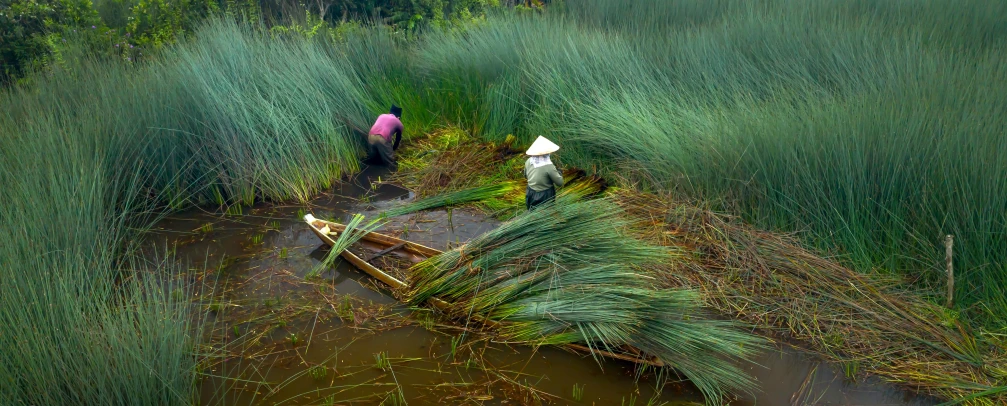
[{"x": 868, "y": 323}]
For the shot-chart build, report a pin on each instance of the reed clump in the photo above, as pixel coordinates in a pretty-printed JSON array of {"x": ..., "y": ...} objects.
[
  {"x": 84, "y": 319},
  {"x": 354, "y": 231},
  {"x": 451, "y": 159},
  {"x": 89, "y": 157},
  {"x": 842, "y": 120},
  {"x": 572, "y": 272}
]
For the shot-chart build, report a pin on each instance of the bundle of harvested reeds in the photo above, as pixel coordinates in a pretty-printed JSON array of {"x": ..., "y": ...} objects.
[
  {"x": 452, "y": 198},
  {"x": 354, "y": 232},
  {"x": 577, "y": 185},
  {"x": 570, "y": 272}
]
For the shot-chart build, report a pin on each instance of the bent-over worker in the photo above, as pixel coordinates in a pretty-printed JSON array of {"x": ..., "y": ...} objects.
[
  {"x": 543, "y": 177},
  {"x": 379, "y": 140}
]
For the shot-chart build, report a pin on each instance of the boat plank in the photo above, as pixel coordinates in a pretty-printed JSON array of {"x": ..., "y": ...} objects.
[{"x": 385, "y": 251}]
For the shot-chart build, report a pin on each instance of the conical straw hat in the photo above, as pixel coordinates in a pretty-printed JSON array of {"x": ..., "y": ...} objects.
[{"x": 542, "y": 146}]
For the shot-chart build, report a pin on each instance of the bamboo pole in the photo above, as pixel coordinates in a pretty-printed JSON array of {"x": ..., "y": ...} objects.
[{"x": 948, "y": 243}]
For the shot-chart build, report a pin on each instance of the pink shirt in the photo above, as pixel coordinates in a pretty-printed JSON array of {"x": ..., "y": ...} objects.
[{"x": 386, "y": 125}]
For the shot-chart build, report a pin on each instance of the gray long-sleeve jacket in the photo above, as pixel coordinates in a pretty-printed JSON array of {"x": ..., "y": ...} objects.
[{"x": 543, "y": 177}]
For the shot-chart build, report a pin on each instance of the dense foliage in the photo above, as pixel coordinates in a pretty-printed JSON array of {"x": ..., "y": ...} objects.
[
  {"x": 25, "y": 26},
  {"x": 34, "y": 34},
  {"x": 400, "y": 14}
]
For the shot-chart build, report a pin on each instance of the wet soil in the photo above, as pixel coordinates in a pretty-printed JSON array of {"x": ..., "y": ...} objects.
[{"x": 280, "y": 333}]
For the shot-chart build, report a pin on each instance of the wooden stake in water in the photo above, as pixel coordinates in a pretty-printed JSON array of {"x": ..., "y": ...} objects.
[{"x": 948, "y": 242}]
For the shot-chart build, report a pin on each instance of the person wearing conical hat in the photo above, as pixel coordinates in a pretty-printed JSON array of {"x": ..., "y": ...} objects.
[
  {"x": 381, "y": 149},
  {"x": 543, "y": 177}
]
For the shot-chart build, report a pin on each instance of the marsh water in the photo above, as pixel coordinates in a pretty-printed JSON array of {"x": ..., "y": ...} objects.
[{"x": 282, "y": 331}]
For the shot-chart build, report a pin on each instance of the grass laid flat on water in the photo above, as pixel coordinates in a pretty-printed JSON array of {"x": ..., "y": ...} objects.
[
  {"x": 571, "y": 272},
  {"x": 866, "y": 324}
]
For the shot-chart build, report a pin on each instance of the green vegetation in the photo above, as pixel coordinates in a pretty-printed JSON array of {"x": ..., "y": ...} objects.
[
  {"x": 84, "y": 321},
  {"x": 865, "y": 324},
  {"x": 355, "y": 230},
  {"x": 572, "y": 272},
  {"x": 478, "y": 193},
  {"x": 25, "y": 26},
  {"x": 87, "y": 156},
  {"x": 38, "y": 35},
  {"x": 226, "y": 121},
  {"x": 873, "y": 127}
]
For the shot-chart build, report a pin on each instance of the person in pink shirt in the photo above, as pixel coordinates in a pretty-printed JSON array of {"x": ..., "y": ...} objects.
[{"x": 381, "y": 149}]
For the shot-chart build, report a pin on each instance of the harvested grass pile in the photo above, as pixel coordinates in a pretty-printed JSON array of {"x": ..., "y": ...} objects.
[
  {"x": 867, "y": 323},
  {"x": 448, "y": 160},
  {"x": 570, "y": 272}
]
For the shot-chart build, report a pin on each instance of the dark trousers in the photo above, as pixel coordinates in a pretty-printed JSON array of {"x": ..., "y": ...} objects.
[
  {"x": 379, "y": 151},
  {"x": 533, "y": 199}
]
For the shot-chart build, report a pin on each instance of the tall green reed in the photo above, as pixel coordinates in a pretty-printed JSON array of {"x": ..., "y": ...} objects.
[
  {"x": 90, "y": 156},
  {"x": 255, "y": 124},
  {"x": 83, "y": 321},
  {"x": 871, "y": 125}
]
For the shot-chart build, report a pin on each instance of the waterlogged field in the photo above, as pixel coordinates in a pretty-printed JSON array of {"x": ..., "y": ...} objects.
[
  {"x": 872, "y": 129},
  {"x": 280, "y": 335}
]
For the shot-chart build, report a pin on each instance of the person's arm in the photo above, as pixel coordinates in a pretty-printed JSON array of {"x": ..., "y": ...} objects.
[
  {"x": 398, "y": 136},
  {"x": 556, "y": 177}
]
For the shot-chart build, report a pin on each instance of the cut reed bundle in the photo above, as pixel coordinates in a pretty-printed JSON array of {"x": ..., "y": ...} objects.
[
  {"x": 570, "y": 272},
  {"x": 577, "y": 186},
  {"x": 353, "y": 233},
  {"x": 453, "y": 198}
]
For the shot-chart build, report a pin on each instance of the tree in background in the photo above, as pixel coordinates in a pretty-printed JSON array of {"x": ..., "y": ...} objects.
[
  {"x": 42, "y": 33},
  {"x": 25, "y": 26},
  {"x": 154, "y": 23},
  {"x": 401, "y": 14}
]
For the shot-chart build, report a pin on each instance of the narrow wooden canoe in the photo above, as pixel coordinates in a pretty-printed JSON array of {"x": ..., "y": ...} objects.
[{"x": 327, "y": 231}]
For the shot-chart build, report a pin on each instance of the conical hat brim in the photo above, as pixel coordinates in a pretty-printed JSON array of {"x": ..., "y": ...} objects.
[{"x": 542, "y": 146}]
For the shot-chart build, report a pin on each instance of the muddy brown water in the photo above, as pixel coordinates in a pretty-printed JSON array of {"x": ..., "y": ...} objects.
[{"x": 281, "y": 335}]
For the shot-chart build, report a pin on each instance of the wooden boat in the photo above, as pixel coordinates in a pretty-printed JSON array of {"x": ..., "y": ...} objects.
[{"x": 328, "y": 231}]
